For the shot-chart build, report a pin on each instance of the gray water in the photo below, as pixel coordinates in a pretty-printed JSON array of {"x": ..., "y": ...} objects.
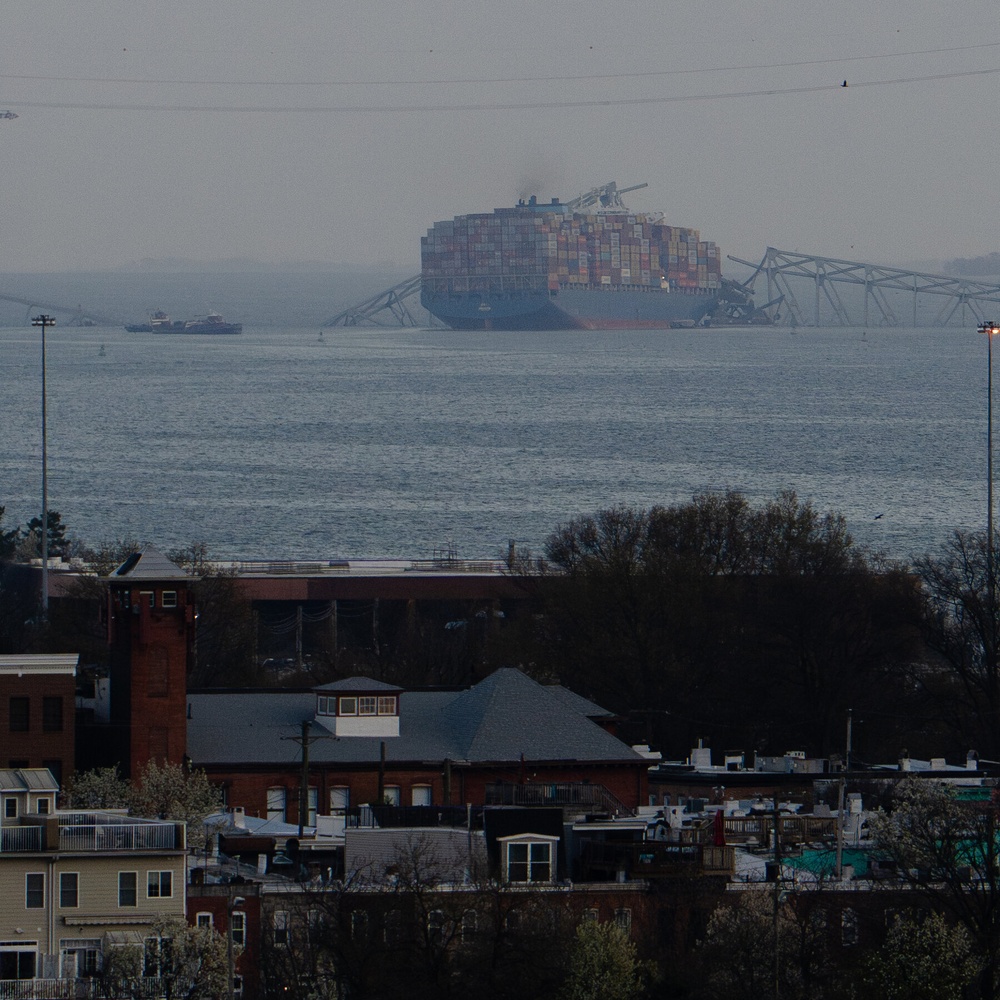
[{"x": 368, "y": 443}]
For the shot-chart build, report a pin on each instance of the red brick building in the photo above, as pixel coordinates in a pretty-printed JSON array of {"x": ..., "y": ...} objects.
[
  {"x": 151, "y": 620},
  {"x": 370, "y": 742},
  {"x": 38, "y": 699}
]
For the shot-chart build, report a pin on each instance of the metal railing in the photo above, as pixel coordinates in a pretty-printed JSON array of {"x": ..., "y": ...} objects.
[
  {"x": 77, "y": 989},
  {"x": 20, "y": 838},
  {"x": 384, "y": 817},
  {"x": 794, "y": 829},
  {"x": 652, "y": 859},
  {"x": 587, "y": 796},
  {"x": 118, "y": 837}
]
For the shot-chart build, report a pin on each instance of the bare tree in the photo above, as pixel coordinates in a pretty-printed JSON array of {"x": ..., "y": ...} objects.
[{"x": 961, "y": 626}]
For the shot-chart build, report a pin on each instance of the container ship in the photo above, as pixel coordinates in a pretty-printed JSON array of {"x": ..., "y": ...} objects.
[{"x": 587, "y": 264}]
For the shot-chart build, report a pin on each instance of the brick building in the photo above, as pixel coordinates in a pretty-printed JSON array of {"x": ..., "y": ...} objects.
[
  {"x": 370, "y": 742},
  {"x": 151, "y": 621},
  {"x": 37, "y": 699}
]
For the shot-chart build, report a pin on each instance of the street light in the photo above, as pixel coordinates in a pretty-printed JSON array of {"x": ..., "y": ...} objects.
[
  {"x": 990, "y": 329},
  {"x": 44, "y": 321},
  {"x": 230, "y": 906}
]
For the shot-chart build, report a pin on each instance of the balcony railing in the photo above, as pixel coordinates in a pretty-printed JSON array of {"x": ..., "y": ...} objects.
[
  {"x": 654, "y": 859},
  {"x": 118, "y": 837},
  {"x": 587, "y": 796},
  {"x": 20, "y": 838},
  {"x": 76, "y": 989}
]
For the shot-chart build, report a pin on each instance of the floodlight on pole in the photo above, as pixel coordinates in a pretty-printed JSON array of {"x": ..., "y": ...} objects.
[{"x": 44, "y": 322}]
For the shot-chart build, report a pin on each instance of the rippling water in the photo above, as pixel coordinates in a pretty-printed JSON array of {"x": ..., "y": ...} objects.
[{"x": 396, "y": 443}]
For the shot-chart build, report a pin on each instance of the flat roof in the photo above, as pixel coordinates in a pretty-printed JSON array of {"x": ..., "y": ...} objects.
[{"x": 39, "y": 663}]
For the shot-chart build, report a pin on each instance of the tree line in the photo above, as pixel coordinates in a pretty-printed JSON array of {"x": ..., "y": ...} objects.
[{"x": 754, "y": 627}]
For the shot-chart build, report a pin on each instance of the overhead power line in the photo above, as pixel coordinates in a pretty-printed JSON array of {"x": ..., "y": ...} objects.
[
  {"x": 466, "y": 81},
  {"x": 257, "y": 109}
]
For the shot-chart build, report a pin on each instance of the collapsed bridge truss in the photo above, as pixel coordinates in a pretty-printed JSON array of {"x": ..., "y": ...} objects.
[{"x": 881, "y": 296}]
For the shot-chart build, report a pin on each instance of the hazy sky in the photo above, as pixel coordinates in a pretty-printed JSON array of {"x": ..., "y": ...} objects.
[{"x": 340, "y": 131}]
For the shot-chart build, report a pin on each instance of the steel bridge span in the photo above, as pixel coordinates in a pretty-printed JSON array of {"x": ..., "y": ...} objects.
[
  {"x": 806, "y": 290},
  {"x": 75, "y": 315}
]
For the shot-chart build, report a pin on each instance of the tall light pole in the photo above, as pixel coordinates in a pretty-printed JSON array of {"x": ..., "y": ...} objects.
[
  {"x": 44, "y": 321},
  {"x": 990, "y": 329}
]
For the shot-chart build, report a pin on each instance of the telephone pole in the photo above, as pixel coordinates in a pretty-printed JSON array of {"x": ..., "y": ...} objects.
[{"x": 305, "y": 740}]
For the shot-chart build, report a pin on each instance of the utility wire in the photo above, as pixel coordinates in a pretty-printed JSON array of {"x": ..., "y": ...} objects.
[
  {"x": 465, "y": 81},
  {"x": 484, "y": 107}
]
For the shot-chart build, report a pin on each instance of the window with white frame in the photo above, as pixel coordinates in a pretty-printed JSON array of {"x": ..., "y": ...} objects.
[
  {"x": 387, "y": 704},
  {"x": 392, "y": 927},
  {"x": 169, "y": 599},
  {"x": 10, "y": 807},
  {"x": 470, "y": 924},
  {"x": 321, "y": 703},
  {"x": 34, "y": 890},
  {"x": 203, "y": 919},
  {"x": 280, "y": 927},
  {"x": 17, "y": 959},
  {"x": 159, "y": 884},
  {"x": 437, "y": 927},
  {"x": 367, "y": 704},
  {"x": 128, "y": 891},
  {"x": 390, "y": 795},
  {"x": 69, "y": 890},
  {"x": 340, "y": 800},
  {"x": 313, "y": 794},
  {"x": 420, "y": 795},
  {"x": 238, "y": 927},
  {"x": 529, "y": 861},
  {"x": 347, "y": 706},
  {"x": 623, "y": 918},
  {"x": 276, "y": 803}
]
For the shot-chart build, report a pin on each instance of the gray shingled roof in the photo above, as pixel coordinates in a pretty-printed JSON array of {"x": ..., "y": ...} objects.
[
  {"x": 357, "y": 684},
  {"x": 573, "y": 700},
  {"x": 499, "y": 719},
  {"x": 149, "y": 564},
  {"x": 25, "y": 779}
]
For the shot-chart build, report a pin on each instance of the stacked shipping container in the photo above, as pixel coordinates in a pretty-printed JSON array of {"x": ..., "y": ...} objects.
[{"x": 529, "y": 247}]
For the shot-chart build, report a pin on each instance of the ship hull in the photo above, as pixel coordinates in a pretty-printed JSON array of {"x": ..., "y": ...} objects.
[
  {"x": 571, "y": 308},
  {"x": 210, "y": 328}
]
